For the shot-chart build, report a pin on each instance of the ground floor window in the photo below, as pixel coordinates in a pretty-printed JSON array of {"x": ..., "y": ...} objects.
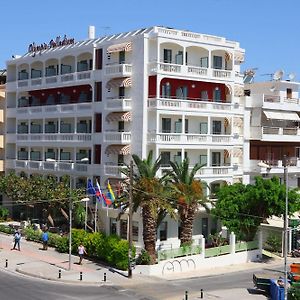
[
  {"x": 123, "y": 229},
  {"x": 135, "y": 231},
  {"x": 163, "y": 231},
  {"x": 113, "y": 225}
]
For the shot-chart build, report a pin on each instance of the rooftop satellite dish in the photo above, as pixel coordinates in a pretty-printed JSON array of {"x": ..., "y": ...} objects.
[
  {"x": 272, "y": 89},
  {"x": 292, "y": 76},
  {"x": 278, "y": 75}
]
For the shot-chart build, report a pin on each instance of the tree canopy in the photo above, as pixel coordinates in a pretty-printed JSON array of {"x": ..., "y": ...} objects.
[{"x": 242, "y": 208}]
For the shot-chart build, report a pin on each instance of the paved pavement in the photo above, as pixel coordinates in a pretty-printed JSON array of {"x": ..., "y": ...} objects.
[{"x": 33, "y": 261}]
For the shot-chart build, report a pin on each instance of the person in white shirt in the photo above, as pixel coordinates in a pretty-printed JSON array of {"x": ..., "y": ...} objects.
[{"x": 81, "y": 252}]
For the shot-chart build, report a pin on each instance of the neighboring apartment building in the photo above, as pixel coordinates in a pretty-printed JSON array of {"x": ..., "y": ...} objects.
[
  {"x": 2, "y": 110},
  {"x": 272, "y": 118},
  {"x": 175, "y": 92}
]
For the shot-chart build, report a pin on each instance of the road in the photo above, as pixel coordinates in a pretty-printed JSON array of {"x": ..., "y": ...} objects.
[{"x": 14, "y": 287}]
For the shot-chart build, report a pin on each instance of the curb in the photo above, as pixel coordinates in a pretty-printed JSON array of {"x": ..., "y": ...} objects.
[{"x": 101, "y": 283}]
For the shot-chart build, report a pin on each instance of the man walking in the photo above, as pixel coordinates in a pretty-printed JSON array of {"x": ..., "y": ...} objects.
[{"x": 17, "y": 238}]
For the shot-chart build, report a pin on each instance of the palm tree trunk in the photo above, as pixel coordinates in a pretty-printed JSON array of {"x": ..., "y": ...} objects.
[
  {"x": 149, "y": 232},
  {"x": 187, "y": 217}
]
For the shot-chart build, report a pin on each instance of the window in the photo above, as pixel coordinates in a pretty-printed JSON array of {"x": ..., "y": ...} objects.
[
  {"x": 203, "y": 128},
  {"x": 217, "y": 95},
  {"x": 99, "y": 58},
  {"x": 121, "y": 126},
  {"x": 297, "y": 152},
  {"x": 289, "y": 93},
  {"x": 217, "y": 62},
  {"x": 163, "y": 231},
  {"x": 113, "y": 225},
  {"x": 186, "y": 123},
  {"x": 120, "y": 160},
  {"x": 135, "y": 231},
  {"x": 178, "y": 126},
  {"x": 179, "y": 58},
  {"x": 166, "y": 90},
  {"x": 216, "y": 159},
  {"x": 204, "y": 95},
  {"x": 121, "y": 92},
  {"x": 203, "y": 160},
  {"x": 122, "y": 57},
  {"x": 98, "y": 121},
  {"x": 177, "y": 158},
  {"x": 165, "y": 158},
  {"x": 182, "y": 92},
  {"x": 166, "y": 125},
  {"x": 204, "y": 62},
  {"x": 98, "y": 93},
  {"x": 167, "y": 56},
  {"x": 214, "y": 188},
  {"x": 123, "y": 229},
  {"x": 217, "y": 127},
  {"x": 97, "y": 154}
]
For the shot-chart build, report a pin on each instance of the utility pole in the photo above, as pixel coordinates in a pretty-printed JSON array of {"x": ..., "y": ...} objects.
[
  {"x": 285, "y": 223},
  {"x": 130, "y": 221}
]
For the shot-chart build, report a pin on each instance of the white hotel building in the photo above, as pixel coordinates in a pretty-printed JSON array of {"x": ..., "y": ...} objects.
[{"x": 175, "y": 92}]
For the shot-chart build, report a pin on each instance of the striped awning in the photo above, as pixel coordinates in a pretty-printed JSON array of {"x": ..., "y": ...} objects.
[
  {"x": 228, "y": 89},
  {"x": 119, "y": 82},
  {"x": 239, "y": 56},
  {"x": 226, "y": 122},
  {"x": 238, "y": 91},
  {"x": 228, "y": 56},
  {"x": 118, "y": 149},
  {"x": 227, "y": 153},
  {"x": 238, "y": 122},
  {"x": 118, "y": 116},
  {"x": 120, "y": 47},
  {"x": 237, "y": 152}
]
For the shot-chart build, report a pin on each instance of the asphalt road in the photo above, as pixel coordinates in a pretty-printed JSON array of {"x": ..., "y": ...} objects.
[{"x": 14, "y": 287}]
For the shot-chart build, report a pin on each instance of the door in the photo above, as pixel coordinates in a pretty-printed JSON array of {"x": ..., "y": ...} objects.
[
  {"x": 168, "y": 56},
  {"x": 217, "y": 127},
  {"x": 216, "y": 159}
]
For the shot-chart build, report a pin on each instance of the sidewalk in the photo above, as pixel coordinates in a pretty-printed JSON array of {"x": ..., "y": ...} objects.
[{"x": 34, "y": 262}]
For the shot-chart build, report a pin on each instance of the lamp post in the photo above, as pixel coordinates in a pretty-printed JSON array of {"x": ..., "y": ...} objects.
[
  {"x": 130, "y": 222},
  {"x": 285, "y": 223}
]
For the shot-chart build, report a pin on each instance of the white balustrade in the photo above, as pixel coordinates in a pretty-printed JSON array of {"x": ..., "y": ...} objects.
[
  {"x": 222, "y": 73},
  {"x": 121, "y": 137},
  {"x": 119, "y": 69},
  {"x": 197, "y": 71},
  {"x": 118, "y": 104},
  {"x": 83, "y": 75}
]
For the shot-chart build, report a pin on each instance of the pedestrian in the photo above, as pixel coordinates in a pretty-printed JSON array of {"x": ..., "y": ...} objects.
[
  {"x": 17, "y": 239},
  {"x": 81, "y": 252},
  {"x": 45, "y": 238}
]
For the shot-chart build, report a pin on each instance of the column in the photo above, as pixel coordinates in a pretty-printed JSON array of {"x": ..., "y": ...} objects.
[
  {"x": 232, "y": 243},
  {"x": 202, "y": 244}
]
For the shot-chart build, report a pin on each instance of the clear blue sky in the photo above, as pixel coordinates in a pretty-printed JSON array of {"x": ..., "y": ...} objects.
[{"x": 267, "y": 29}]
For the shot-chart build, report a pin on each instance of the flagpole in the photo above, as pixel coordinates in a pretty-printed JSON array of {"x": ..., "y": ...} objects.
[
  {"x": 85, "y": 217},
  {"x": 96, "y": 212}
]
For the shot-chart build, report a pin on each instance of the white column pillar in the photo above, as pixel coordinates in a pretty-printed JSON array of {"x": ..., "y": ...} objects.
[
  {"x": 202, "y": 244},
  {"x": 232, "y": 243},
  {"x": 260, "y": 242}
]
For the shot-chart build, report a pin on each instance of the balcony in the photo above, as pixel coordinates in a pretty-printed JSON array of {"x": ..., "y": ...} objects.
[
  {"x": 111, "y": 169},
  {"x": 118, "y": 137},
  {"x": 276, "y": 166},
  {"x": 193, "y": 139},
  {"x": 117, "y": 104},
  {"x": 118, "y": 70},
  {"x": 280, "y": 133},
  {"x": 56, "y": 137},
  {"x": 190, "y": 71},
  {"x": 49, "y": 166},
  {"x": 192, "y": 105}
]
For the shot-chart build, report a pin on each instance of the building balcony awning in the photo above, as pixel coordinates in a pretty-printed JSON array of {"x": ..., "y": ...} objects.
[
  {"x": 119, "y": 82},
  {"x": 118, "y": 149},
  {"x": 235, "y": 152},
  {"x": 118, "y": 116},
  {"x": 287, "y": 115},
  {"x": 120, "y": 47},
  {"x": 228, "y": 56},
  {"x": 238, "y": 91},
  {"x": 239, "y": 56},
  {"x": 238, "y": 122}
]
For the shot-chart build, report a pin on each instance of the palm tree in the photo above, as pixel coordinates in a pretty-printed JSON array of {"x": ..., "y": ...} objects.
[
  {"x": 189, "y": 194},
  {"x": 150, "y": 195}
]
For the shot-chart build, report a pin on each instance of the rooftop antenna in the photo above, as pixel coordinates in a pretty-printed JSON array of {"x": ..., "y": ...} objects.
[
  {"x": 278, "y": 75},
  {"x": 106, "y": 29},
  {"x": 268, "y": 74},
  {"x": 292, "y": 76}
]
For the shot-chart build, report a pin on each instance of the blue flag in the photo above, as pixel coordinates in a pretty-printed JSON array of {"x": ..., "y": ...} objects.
[{"x": 90, "y": 188}]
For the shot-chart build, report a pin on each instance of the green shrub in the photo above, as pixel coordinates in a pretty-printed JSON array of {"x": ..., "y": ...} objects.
[
  {"x": 273, "y": 243},
  {"x": 144, "y": 258},
  {"x": 62, "y": 245},
  {"x": 4, "y": 213},
  {"x": 32, "y": 235},
  {"x": 293, "y": 293},
  {"x": 6, "y": 229},
  {"x": 54, "y": 239}
]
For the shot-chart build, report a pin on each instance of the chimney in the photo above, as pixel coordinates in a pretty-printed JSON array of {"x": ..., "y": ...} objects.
[{"x": 91, "y": 33}]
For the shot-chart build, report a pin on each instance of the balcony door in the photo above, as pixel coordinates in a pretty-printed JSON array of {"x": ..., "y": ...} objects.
[
  {"x": 216, "y": 159},
  {"x": 166, "y": 125},
  {"x": 217, "y": 62},
  {"x": 217, "y": 127},
  {"x": 168, "y": 56}
]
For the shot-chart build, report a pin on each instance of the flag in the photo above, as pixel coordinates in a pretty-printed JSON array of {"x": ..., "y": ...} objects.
[
  {"x": 90, "y": 188},
  {"x": 110, "y": 193},
  {"x": 100, "y": 195}
]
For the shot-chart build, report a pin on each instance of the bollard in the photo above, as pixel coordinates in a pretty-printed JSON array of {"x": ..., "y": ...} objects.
[
  {"x": 104, "y": 277},
  {"x": 186, "y": 295},
  {"x": 80, "y": 276},
  {"x": 201, "y": 294},
  {"x": 6, "y": 263},
  {"x": 59, "y": 274}
]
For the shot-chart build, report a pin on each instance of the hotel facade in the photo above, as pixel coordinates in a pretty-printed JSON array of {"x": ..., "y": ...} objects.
[{"x": 82, "y": 108}]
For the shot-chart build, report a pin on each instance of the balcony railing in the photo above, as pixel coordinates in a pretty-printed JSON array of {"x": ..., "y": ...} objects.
[
  {"x": 56, "y": 137},
  {"x": 118, "y": 137},
  {"x": 122, "y": 104},
  {"x": 190, "y": 105},
  {"x": 118, "y": 70},
  {"x": 111, "y": 169},
  {"x": 189, "y": 70},
  {"x": 189, "y": 138},
  {"x": 220, "y": 170},
  {"x": 281, "y": 131},
  {"x": 52, "y": 78}
]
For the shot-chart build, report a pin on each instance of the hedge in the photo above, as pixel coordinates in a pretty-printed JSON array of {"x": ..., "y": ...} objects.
[{"x": 111, "y": 249}]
